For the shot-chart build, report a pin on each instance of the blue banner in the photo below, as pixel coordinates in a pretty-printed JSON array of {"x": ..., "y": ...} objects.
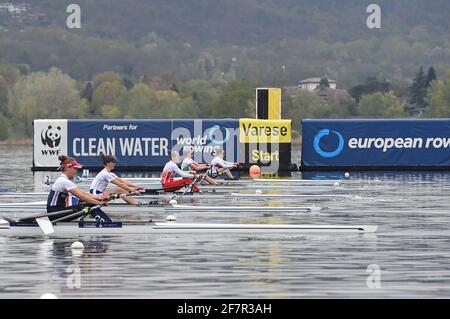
[
  {"x": 146, "y": 143},
  {"x": 204, "y": 137},
  {"x": 133, "y": 142},
  {"x": 376, "y": 143}
]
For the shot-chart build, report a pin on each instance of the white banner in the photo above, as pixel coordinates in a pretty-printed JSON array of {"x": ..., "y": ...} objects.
[{"x": 50, "y": 141}]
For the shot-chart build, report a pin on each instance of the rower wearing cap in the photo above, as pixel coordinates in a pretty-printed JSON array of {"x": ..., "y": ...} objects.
[
  {"x": 189, "y": 165},
  {"x": 171, "y": 170},
  {"x": 106, "y": 176},
  {"x": 222, "y": 166},
  {"x": 65, "y": 194}
]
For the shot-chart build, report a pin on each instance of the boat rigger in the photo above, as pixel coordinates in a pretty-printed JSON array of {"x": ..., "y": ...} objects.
[{"x": 150, "y": 207}]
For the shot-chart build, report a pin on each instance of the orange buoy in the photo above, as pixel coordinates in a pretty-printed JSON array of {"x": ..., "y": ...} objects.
[{"x": 255, "y": 170}]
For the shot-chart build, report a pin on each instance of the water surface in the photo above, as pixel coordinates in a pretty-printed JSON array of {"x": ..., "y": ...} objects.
[{"x": 411, "y": 248}]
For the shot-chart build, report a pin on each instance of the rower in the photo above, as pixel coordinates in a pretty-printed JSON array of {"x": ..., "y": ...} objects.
[
  {"x": 106, "y": 176},
  {"x": 222, "y": 166},
  {"x": 189, "y": 165},
  {"x": 65, "y": 194},
  {"x": 171, "y": 170}
]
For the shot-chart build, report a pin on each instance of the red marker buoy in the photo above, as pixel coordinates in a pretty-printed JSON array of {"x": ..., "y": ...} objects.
[{"x": 255, "y": 170}]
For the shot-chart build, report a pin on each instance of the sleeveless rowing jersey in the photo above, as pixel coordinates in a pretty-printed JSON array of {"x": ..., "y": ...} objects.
[
  {"x": 217, "y": 162},
  {"x": 186, "y": 165},
  {"x": 101, "y": 181},
  {"x": 170, "y": 171},
  {"x": 59, "y": 196}
]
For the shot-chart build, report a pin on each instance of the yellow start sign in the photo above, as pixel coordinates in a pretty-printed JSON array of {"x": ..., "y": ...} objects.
[
  {"x": 265, "y": 157},
  {"x": 264, "y": 131}
]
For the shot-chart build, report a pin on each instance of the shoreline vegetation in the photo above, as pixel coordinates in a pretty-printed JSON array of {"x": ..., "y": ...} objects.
[
  {"x": 16, "y": 142},
  {"x": 54, "y": 94}
]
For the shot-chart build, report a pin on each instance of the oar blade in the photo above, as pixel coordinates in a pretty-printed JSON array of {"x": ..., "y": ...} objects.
[{"x": 46, "y": 225}]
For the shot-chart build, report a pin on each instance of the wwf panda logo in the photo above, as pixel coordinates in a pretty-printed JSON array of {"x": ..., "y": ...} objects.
[{"x": 51, "y": 136}]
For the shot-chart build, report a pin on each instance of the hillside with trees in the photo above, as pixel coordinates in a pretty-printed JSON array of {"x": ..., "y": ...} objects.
[{"x": 171, "y": 58}]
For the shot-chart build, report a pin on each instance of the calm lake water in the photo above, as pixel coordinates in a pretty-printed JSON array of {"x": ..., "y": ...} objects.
[{"x": 410, "y": 252}]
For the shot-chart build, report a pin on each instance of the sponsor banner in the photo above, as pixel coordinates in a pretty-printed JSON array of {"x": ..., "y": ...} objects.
[
  {"x": 273, "y": 157},
  {"x": 50, "y": 141},
  {"x": 264, "y": 131},
  {"x": 376, "y": 143},
  {"x": 266, "y": 143},
  {"x": 205, "y": 137},
  {"x": 135, "y": 143}
]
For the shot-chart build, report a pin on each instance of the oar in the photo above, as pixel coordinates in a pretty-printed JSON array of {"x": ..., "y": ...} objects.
[
  {"x": 156, "y": 190},
  {"x": 67, "y": 211},
  {"x": 45, "y": 225},
  {"x": 44, "y": 222},
  {"x": 84, "y": 212},
  {"x": 189, "y": 187}
]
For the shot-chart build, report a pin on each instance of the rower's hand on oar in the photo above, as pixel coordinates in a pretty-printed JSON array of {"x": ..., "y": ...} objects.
[
  {"x": 108, "y": 197},
  {"x": 137, "y": 192},
  {"x": 140, "y": 188}
]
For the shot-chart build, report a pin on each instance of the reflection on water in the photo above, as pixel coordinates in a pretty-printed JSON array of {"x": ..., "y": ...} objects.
[{"x": 410, "y": 249}]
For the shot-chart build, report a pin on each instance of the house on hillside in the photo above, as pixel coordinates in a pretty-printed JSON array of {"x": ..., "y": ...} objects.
[
  {"x": 313, "y": 84},
  {"x": 20, "y": 13}
]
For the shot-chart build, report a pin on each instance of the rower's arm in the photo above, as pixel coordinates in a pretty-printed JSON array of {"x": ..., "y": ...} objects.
[
  {"x": 124, "y": 184},
  {"x": 226, "y": 164},
  {"x": 197, "y": 167},
  {"x": 132, "y": 185},
  {"x": 86, "y": 197},
  {"x": 179, "y": 172}
]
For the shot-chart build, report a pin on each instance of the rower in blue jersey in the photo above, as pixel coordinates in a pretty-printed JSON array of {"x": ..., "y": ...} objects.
[{"x": 65, "y": 194}]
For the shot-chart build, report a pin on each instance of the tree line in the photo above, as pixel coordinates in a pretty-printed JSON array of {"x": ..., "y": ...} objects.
[{"x": 26, "y": 95}]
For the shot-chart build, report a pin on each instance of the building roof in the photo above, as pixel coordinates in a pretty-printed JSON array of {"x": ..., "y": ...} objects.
[{"x": 315, "y": 80}]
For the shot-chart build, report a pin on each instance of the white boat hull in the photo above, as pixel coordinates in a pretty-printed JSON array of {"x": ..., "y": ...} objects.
[
  {"x": 287, "y": 196},
  {"x": 242, "y": 209},
  {"x": 175, "y": 228}
]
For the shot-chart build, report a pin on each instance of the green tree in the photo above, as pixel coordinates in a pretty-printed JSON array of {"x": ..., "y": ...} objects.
[
  {"x": 234, "y": 100},
  {"x": 3, "y": 96},
  {"x": 431, "y": 76},
  {"x": 379, "y": 105},
  {"x": 324, "y": 83},
  {"x": 3, "y": 128},
  {"x": 372, "y": 85},
  {"x": 106, "y": 77},
  {"x": 203, "y": 94},
  {"x": 184, "y": 108},
  {"x": 140, "y": 101},
  {"x": 144, "y": 102},
  {"x": 110, "y": 112},
  {"x": 419, "y": 88},
  {"x": 108, "y": 93},
  {"x": 88, "y": 92},
  {"x": 42, "y": 95},
  {"x": 439, "y": 98},
  {"x": 10, "y": 74},
  {"x": 306, "y": 105}
]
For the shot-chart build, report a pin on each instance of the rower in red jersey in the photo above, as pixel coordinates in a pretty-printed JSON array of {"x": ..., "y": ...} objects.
[{"x": 171, "y": 170}]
